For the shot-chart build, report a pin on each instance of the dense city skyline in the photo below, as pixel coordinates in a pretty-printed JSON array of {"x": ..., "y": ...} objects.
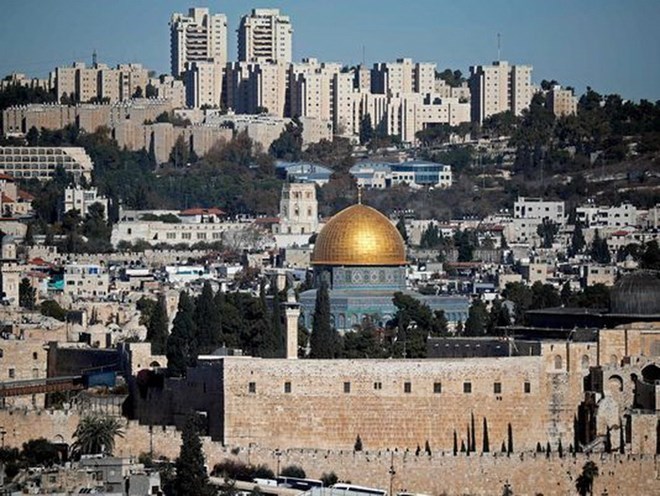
[{"x": 590, "y": 43}]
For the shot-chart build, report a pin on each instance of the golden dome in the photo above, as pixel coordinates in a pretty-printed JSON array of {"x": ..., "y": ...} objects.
[{"x": 359, "y": 235}]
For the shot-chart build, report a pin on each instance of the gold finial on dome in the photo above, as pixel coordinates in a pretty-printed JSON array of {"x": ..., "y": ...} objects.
[{"x": 359, "y": 235}]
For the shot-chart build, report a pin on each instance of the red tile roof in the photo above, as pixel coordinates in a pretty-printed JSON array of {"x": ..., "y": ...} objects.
[
  {"x": 24, "y": 195},
  {"x": 202, "y": 211},
  {"x": 6, "y": 199}
]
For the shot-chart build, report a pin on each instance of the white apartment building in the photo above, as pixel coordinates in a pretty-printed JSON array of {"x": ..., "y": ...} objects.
[
  {"x": 203, "y": 83},
  {"x": 265, "y": 36},
  {"x": 80, "y": 83},
  {"x": 255, "y": 88},
  {"x": 561, "y": 101},
  {"x": 499, "y": 87},
  {"x": 592, "y": 216},
  {"x": 40, "y": 162},
  {"x": 416, "y": 174},
  {"x": 167, "y": 88},
  {"x": 529, "y": 213},
  {"x": 86, "y": 280},
  {"x": 403, "y": 76},
  {"x": 197, "y": 37},
  {"x": 81, "y": 199},
  {"x": 312, "y": 89}
]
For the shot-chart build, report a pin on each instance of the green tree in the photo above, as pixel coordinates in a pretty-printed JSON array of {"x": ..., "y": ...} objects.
[
  {"x": 650, "y": 258},
  {"x": 26, "y": 294},
  {"x": 288, "y": 146},
  {"x": 157, "y": 328},
  {"x": 497, "y": 317},
  {"x": 366, "y": 129},
  {"x": 521, "y": 296},
  {"x": 509, "y": 436},
  {"x": 547, "y": 230},
  {"x": 585, "y": 481},
  {"x": 485, "y": 442},
  {"x": 207, "y": 320},
  {"x": 51, "y": 308},
  {"x": 40, "y": 452},
  {"x": 358, "y": 444},
  {"x": 577, "y": 240},
  {"x": 600, "y": 252},
  {"x": 191, "y": 476},
  {"x": 401, "y": 227},
  {"x": 475, "y": 325},
  {"x": 182, "y": 341},
  {"x": 413, "y": 323},
  {"x": 324, "y": 340},
  {"x": 544, "y": 296},
  {"x": 293, "y": 471},
  {"x": 95, "y": 434}
]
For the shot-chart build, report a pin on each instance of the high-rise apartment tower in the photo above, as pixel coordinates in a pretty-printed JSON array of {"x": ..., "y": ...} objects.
[
  {"x": 197, "y": 37},
  {"x": 264, "y": 36}
]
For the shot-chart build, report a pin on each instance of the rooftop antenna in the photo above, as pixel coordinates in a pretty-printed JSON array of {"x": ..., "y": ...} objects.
[
  {"x": 94, "y": 58},
  {"x": 499, "y": 47}
]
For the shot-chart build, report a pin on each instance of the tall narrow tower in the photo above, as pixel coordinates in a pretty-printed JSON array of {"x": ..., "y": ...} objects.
[
  {"x": 197, "y": 37},
  {"x": 265, "y": 36}
]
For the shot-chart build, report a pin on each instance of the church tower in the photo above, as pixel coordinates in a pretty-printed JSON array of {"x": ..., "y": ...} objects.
[{"x": 298, "y": 209}]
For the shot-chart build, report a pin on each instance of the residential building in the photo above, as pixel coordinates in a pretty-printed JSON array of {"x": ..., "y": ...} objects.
[
  {"x": 86, "y": 280},
  {"x": 99, "y": 82},
  {"x": 499, "y": 87},
  {"x": 561, "y": 101},
  {"x": 40, "y": 162},
  {"x": 414, "y": 173},
  {"x": 402, "y": 76},
  {"x": 265, "y": 36},
  {"x": 255, "y": 88},
  {"x": 197, "y": 37},
  {"x": 77, "y": 198},
  {"x": 595, "y": 216},
  {"x": 203, "y": 83},
  {"x": 529, "y": 213},
  {"x": 167, "y": 88}
]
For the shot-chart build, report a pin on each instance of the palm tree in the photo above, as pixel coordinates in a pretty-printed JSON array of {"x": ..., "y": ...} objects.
[
  {"x": 96, "y": 434},
  {"x": 585, "y": 481}
]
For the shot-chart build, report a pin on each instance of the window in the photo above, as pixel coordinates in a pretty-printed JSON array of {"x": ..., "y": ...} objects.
[
  {"x": 378, "y": 385},
  {"x": 12, "y": 373},
  {"x": 347, "y": 387},
  {"x": 528, "y": 387},
  {"x": 467, "y": 387},
  {"x": 407, "y": 387},
  {"x": 287, "y": 387},
  {"x": 185, "y": 235},
  {"x": 35, "y": 356},
  {"x": 437, "y": 387},
  {"x": 497, "y": 387},
  {"x": 252, "y": 387}
]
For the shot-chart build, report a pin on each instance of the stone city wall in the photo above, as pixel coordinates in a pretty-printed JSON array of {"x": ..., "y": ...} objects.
[
  {"x": 440, "y": 473},
  {"x": 396, "y": 403}
]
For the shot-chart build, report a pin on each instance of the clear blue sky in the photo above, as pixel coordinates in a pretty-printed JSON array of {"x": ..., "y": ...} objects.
[{"x": 612, "y": 45}]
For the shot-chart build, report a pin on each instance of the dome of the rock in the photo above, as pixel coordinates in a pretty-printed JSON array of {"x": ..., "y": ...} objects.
[{"x": 359, "y": 235}]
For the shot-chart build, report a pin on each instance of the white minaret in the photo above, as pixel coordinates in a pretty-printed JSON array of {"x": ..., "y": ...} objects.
[{"x": 292, "y": 313}]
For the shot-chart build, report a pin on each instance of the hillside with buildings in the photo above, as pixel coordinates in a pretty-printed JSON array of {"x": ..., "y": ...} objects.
[{"x": 277, "y": 276}]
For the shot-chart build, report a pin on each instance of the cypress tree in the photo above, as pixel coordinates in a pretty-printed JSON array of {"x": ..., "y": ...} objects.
[
  {"x": 182, "y": 342},
  {"x": 209, "y": 333},
  {"x": 473, "y": 446},
  {"x": 157, "y": 328},
  {"x": 560, "y": 449},
  {"x": 358, "y": 444},
  {"x": 486, "y": 443},
  {"x": 548, "y": 449},
  {"x": 191, "y": 476},
  {"x": 622, "y": 444},
  {"x": 469, "y": 440},
  {"x": 324, "y": 341},
  {"x": 509, "y": 449},
  {"x": 427, "y": 448},
  {"x": 455, "y": 443},
  {"x": 462, "y": 446}
]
